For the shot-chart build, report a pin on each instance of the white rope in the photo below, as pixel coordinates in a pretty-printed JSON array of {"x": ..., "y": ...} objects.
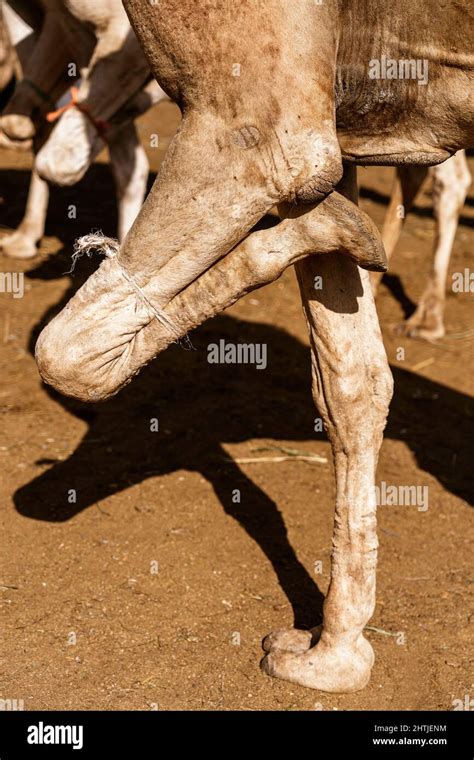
[{"x": 110, "y": 248}]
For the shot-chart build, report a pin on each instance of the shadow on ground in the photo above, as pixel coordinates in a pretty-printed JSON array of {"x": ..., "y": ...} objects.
[{"x": 201, "y": 406}]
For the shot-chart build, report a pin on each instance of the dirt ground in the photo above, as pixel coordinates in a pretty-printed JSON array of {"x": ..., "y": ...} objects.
[{"x": 154, "y": 590}]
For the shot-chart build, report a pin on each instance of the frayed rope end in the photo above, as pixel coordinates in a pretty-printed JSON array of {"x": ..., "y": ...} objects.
[
  {"x": 110, "y": 248},
  {"x": 96, "y": 241}
]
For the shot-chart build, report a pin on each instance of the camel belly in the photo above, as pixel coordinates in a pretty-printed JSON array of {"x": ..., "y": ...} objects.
[
  {"x": 404, "y": 86},
  {"x": 393, "y": 123}
]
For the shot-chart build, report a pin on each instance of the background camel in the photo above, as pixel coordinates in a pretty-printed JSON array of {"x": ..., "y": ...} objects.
[
  {"x": 451, "y": 181},
  {"x": 65, "y": 150}
]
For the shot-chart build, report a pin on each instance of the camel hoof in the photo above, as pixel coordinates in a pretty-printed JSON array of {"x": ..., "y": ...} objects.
[
  {"x": 295, "y": 640},
  {"x": 420, "y": 331},
  {"x": 291, "y": 639},
  {"x": 18, "y": 246},
  {"x": 337, "y": 669}
]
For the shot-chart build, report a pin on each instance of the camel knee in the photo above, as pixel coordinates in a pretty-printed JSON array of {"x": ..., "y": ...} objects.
[
  {"x": 17, "y": 127},
  {"x": 306, "y": 164},
  {"x": 69, "y": 151},
  {"x": 98, "y": 342},
  {"x": 63, "y": 164},
  {"x": 71, "y": 366},
  {"x": 317, "y": 169},
  {"x": 82, "y": 369},
  {"x": 325, "y": 172},
  {"x": 82, "y": 352}
]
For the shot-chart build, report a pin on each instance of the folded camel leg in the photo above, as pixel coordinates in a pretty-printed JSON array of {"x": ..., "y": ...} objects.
[{"x": 106, "y": 333}]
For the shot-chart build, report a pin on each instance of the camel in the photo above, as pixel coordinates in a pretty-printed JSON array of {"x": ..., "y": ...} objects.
[
  {"x": 8, "y": 60},
  {"x": 451, "y": 181},
  {"x": 279, "y": 106},
  {"x": 44, "y": 63},
  {"x": 112, "y": 93}
]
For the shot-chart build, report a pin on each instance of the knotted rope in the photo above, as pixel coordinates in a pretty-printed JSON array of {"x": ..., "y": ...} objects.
[
  {"x": 110, "y": 248},
  {"x": 100, "y": 125}
]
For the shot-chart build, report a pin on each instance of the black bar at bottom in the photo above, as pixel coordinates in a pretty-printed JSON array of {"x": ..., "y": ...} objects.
[{"x": 377, "y": 734}]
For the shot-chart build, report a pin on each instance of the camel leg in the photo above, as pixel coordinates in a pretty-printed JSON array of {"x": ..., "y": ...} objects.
[
  {"x": 45, "y": 78},
  {"x": 86, "y": 354},
  {"x": 22, "y": 243},
  {"x": 352, "y": 387},
  {"x": 451, "y": 183},
  {"x": 130, "y": 169},
  {"x": 406, "y": 184}
]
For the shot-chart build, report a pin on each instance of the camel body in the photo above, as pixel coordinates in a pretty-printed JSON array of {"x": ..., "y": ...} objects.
[{"x": 275, "y": 96}]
